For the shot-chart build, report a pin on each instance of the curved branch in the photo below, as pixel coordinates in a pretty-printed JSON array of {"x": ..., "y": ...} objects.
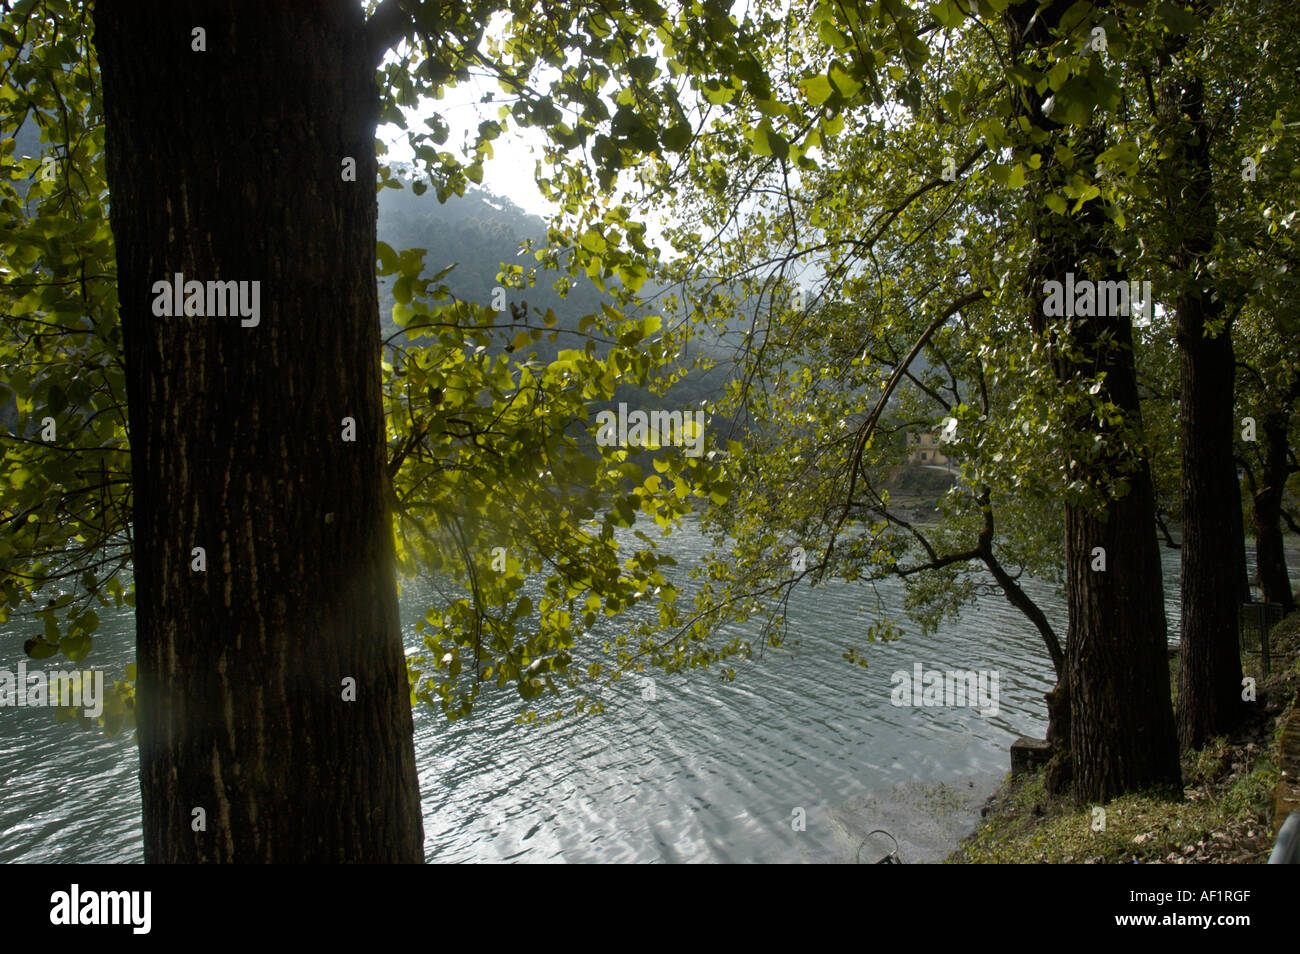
[{"x": 868, "y": 426}]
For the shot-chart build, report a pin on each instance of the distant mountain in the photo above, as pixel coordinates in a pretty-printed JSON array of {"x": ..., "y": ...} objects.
[{"x": 477, "y": 233}]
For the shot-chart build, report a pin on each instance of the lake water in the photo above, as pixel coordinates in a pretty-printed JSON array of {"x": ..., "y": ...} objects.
[{"x": 706, "y": 771}]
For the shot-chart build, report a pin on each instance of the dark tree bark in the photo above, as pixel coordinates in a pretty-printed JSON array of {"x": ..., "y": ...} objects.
[
  {"x": 1266, "y": 512},
  {"x": 225, "y": 165},
  {"x": 1122, "y": 735},
  {"x": 1213, "y": 553},
  {"x": 1058, "y": 774},
  {"x": 1116, "y": 694}
]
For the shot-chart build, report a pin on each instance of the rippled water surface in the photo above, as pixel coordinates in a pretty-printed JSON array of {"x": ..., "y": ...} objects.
[{"x": 707, "y": 770}]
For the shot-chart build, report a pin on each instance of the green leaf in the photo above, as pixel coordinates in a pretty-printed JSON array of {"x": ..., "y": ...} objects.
[
  {"x": 76, "y": 647},
  {"x": 947, "y": 13},
  {"x": 1122, "y": 155},
  {"x": 632, "y": 276},
  {"x": 817, "y": 89},
  {"x": 767, "y": 142},
  {"x": 39, "y": 649},
  {"x": 677, "y": 136},
  {"x": 845, "y": 83},
  {"x": 1178, "y": 19}
]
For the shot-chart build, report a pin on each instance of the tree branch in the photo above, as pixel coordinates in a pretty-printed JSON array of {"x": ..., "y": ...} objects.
[
  {"x": 386, "y": 26},
  {"x": 864, "y": 433}
]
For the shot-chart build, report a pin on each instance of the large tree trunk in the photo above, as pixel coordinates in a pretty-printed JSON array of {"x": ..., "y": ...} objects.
[
  {"x": 225, "y": 164},
  {"x": 1213, "y": 562},
  {"x": 1119, "y": 715},
  {"x": 1213, "y": 554},
  {"x": 1122, "y": 736},
  {"x": 1266, "y": 512}
]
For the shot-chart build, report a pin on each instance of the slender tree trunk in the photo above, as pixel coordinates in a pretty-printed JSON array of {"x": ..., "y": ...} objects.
[
  {"x": 225, "y": 164},
  {"x": 1266, "y": 513},
  {"x": 1213, "y": 554},
  {"x": 1022, "y": 601},
  {"x": 1120, "y": 717},
  {"x": 1060, "y": 769},
  {"x": 1170, "y": 542}
]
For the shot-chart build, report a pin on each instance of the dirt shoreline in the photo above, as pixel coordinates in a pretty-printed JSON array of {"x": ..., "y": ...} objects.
[{"x": 929, "y": 820}]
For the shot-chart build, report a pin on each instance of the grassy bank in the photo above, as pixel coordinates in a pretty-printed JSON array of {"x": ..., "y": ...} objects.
[{"x": 1225, "y": 816}]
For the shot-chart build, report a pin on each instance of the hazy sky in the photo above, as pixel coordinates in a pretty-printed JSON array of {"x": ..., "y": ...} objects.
[{"x": 511, "y": 169}]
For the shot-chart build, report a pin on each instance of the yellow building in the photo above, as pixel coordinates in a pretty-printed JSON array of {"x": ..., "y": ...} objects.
[{"x": 925, "y": 449}]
